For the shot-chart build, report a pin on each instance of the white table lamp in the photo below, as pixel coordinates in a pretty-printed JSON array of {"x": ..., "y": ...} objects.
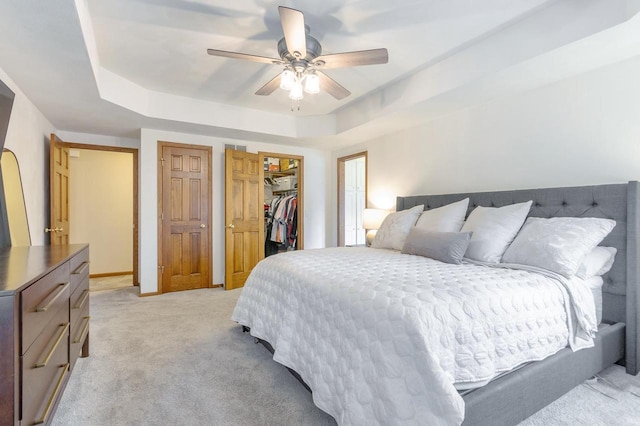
[{"x": 371, "y": 221}]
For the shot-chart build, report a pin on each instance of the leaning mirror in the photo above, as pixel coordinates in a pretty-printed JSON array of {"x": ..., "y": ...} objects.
[{"x": 16, "y": 211}]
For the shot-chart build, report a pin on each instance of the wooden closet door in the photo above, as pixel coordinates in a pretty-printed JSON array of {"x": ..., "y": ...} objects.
[{"x": 244, "y": 216}]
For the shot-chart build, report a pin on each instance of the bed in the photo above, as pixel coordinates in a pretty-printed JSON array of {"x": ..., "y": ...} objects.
[{"x": 507, "y": 399}]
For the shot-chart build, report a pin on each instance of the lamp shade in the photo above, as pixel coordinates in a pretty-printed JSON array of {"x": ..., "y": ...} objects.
[
  {"x": 287, "y": 78},
  {"x": 372, "y": 218},
  {"x": 312, "y": 84}
]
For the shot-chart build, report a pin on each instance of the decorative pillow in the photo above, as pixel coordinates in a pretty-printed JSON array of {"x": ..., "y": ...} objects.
[
  {"x": 448, "y": 247},
  {"x": 449, "y": 218},
  {"x": 597, "y": 263},
  {"x": 558, "y": 244},
  {"x": 493, "y": 230},
  {"x": 395, "y": 228}
]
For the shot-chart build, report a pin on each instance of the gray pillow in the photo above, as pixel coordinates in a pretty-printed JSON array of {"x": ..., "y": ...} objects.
[{"x": 448, "y": 247}]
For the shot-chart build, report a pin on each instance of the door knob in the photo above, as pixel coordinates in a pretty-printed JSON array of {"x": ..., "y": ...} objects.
[
  {"x": 53, "y": 229},
  {"x": 230, "y": 226},
  {"x": 202, "y": 225}
]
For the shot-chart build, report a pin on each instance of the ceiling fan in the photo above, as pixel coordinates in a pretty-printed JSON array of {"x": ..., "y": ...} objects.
[{"x": 301, "y": 55}]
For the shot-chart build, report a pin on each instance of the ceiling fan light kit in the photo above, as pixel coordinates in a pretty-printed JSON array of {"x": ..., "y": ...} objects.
[
  {"x": 300, "y": 53},
  {"x": 295, "y": 94}
]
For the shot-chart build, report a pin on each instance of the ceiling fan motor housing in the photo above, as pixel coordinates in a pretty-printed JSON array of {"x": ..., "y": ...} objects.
[{"x": 314, "y": 49}]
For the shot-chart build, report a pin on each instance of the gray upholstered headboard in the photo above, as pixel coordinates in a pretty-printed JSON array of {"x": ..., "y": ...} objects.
[{"x": 620, "y": 202}]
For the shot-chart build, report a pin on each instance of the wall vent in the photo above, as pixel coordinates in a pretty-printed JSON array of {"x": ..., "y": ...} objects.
[{"x": 236, "y": 147}]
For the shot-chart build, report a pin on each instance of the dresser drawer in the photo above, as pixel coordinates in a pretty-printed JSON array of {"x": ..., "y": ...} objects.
[
  {"x": 79, "y": 297},
  {"x": 41, "y": 300},
  {"x": 44, "y": 369},
  {"x": 78, "y": 335},
  {"x": 79, "y": 267},
  {"x": 79, "y": 309}
]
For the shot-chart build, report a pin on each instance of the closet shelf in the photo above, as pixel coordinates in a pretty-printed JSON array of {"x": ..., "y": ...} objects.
[{"x": 287, "y": 172}]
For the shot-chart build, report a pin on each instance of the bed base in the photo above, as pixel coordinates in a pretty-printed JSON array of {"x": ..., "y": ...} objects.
[
  {"x": 510, "y": 399},
  {"x": 513, "y": 397}
]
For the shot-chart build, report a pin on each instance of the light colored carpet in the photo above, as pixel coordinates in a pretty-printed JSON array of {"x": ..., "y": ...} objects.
[
  {"x": 613, "y": 400},
  {"x": 178, "y": 359},
  {"x": 110, "y": 283}
]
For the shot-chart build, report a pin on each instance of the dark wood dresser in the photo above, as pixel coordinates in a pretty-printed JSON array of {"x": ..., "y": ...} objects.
[{"x": 44, "y": 327}]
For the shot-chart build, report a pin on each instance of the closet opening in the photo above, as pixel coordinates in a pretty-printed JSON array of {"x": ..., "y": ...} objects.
[
  {"x": 283, "y": 202},
  {"x": 352, "y": 199}
]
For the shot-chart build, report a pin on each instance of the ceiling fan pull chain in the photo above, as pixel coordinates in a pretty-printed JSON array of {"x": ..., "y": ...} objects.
[{"x": 295, "y": 105}]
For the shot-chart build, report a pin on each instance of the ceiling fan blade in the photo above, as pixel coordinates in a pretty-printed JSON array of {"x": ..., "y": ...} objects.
[
  {"x": 353, "y": 59},
  {"x": 332, "y": 87},
  {"x": 294, "y": 31},
  {"x": 244, "y": 56},
  {"x": 270, "y": 87}
]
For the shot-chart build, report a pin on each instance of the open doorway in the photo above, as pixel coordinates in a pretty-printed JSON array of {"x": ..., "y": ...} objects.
[
  {"x": 352, "y": 199},
  {"x": 283, "y": 202},
  {"x": 101, "y": 198},
  {"x": 101, "y": 207},
  {"x": 264, "y": 209}
]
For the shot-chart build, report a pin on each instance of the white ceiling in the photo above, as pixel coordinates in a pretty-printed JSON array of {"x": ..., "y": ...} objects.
[
  {"x": 113, "y": 67},
  {"x": 161, "y": 44}
]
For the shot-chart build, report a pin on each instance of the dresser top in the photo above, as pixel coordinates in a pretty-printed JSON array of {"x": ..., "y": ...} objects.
[{"x": 21, "y": 266}]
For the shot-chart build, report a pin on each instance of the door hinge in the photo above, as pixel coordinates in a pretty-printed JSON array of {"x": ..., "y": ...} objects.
[
  {"x": 162, "y": 162},
  {"x": 161, "y": 267},
  {"x": 161, "y": 215}
]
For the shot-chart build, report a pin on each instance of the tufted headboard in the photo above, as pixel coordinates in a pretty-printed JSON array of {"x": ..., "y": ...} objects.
[{"x": 620, "y": 202}]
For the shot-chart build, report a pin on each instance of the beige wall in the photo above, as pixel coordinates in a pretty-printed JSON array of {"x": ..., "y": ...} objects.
[{"x": 101, "y": 208}]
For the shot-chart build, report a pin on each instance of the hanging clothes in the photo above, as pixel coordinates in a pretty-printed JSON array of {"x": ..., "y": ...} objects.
[{"x": 282, "y": 224}]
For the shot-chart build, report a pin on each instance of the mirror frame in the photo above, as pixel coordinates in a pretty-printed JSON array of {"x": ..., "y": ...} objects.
[{"x": 16, "y": 205}]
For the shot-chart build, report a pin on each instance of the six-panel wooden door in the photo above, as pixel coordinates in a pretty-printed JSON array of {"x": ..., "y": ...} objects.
[
  {"x": 244, "y": 216},
  {"x": 185, "y": 217},
  {"x": 59, "y": 191}
]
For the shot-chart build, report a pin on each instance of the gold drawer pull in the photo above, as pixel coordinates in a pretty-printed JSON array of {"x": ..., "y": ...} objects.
[
  {"x": 83, "y": 299},
  {"x": 51, "y": 298},
  {"x": 45, "y": 360},
  {"x": 80, "y": 269},
  {"x": 47, "y": 411},
  {"x": 85, "y": 330}
]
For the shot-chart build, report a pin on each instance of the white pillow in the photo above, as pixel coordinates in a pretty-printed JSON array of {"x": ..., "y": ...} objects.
[
  {"x": 558, "y": 244},
  {"x": 595, "y": 285},
  {"x": 449, "y": 218},
  {"x": 598, "y": 262},
  {"x": 493, "y": 230},
  {"x": 395, "y": 228}
]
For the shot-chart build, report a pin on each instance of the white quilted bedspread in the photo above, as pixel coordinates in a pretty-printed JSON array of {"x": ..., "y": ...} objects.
[{"x": 382, "y": 337}]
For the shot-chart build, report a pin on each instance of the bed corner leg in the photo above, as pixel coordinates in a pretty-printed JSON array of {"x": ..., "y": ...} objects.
[{"x": 245, "y": 329}]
